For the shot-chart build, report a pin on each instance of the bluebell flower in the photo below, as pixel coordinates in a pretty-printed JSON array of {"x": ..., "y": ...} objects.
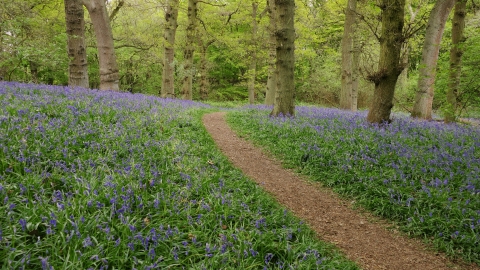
[
  {"x": 23, "y": 223},
  {"x": 87, "y": 242}
]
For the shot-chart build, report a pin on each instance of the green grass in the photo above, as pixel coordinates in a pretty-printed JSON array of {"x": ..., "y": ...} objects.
[
  {"x": 422, "y": 175},
  {"x": 105, "y": 180}
]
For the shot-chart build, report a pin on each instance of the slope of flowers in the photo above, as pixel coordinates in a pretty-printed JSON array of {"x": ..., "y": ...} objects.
[
  {"x": 107, "y": 180},
  {"x": 424, "y": 175}
]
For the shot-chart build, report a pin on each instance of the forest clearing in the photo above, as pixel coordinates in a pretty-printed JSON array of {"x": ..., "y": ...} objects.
[
  {"x": 239, "y": 134},
  {"x": 102, "y": 179}
]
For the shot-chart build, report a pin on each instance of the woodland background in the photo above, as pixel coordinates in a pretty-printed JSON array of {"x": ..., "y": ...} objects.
[{"x": 33, "y": 48}]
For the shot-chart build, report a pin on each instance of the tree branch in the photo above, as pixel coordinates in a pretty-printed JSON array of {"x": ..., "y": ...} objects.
[
  {"x": 115, "y": 11},
  {"x": 230, "y": 15},
  {"x": 211, "y": 4}
]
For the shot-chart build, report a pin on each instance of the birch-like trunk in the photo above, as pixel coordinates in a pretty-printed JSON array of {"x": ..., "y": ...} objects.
[
  {"x": 389, "y": 66},
  {"x": 272, "y": 54},
  {"x": 75, "y": 28},
  {"x": 189, "y": 50},
  {"x": 285, "y": 66},
  {"x": 428, "y": 64},
  {"x": 346, "y": 93},
  {"x": 168, "y": 79},
  {"x": 109, "y": 75},
  {"x": 456, "y": 53},
  {"x": 252, "y": 70}
]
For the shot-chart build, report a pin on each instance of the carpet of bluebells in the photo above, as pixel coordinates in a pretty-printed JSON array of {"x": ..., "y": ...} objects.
[
  {"x": 423, "y": 175},
  {"x": 106, "y": 180}
]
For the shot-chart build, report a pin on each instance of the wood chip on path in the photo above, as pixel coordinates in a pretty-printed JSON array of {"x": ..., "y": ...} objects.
[{"x": 368, "y": 243}]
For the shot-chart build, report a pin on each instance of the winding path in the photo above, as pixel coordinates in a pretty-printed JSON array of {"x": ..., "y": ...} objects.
[{"x": 363, "y": 238}]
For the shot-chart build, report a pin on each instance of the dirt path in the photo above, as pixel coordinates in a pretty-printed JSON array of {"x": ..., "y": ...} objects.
[{"x": 368, "y": 243}]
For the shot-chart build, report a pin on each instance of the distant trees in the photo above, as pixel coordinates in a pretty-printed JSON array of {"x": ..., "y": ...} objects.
[
  {"x": 252, "y": 69},
  {"x": 227, "y": 50}
]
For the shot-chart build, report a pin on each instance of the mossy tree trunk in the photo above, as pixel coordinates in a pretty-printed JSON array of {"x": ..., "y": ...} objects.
[
  {"x": 285, "y": 65},
  {"x": 389, "y": 66},
  {"x": 348, "y": 93},
  {"x": 456, "y": 53},
  {"x": 189, "y": 50},
  {"x": 168, "y": 80}
]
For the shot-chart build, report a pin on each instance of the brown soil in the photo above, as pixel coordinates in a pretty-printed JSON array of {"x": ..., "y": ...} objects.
[{"x": 367, "y": 240}]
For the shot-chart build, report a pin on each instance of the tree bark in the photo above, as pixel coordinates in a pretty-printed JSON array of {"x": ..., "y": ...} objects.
[
  {"x": 109, "y": 75},
  {"x": 75, "y": 28},
  {"x": 168, "y": 80},
  {"x": 272, "y": 54},
  {"x": 285, "y": 65},
  {"x": 405, "y": 53},
  {"x": 428, "y": 64},
  {"x": 355, "y": 74},
  {"x": 389, "y": 66},
  {"x": 204, "y": 69},
  {"x": 189, "y": 50},
  {"x": 346, "y": 93},
  {"x": 456, "y": 53},
  {"x": 252, "y": 70}
]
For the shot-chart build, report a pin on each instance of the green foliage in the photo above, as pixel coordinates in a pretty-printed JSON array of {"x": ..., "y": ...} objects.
[{"x": 231, "y": 93}]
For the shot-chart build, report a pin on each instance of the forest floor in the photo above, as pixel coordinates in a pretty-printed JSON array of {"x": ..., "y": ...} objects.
[{"x": 371, "y": 242}]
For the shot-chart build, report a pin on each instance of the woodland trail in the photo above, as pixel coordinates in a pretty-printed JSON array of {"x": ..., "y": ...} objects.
[{"x": 361, "y": 237}]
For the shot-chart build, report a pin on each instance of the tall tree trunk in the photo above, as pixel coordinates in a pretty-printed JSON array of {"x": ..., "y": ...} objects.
[
  {"x": 109, "y": 75},
  {"x": 272, "y": 54},
  {"x": 252, "y": 70},
  {"x": 456, "y": 53},
  {"x": 355, "y": 73},
  {"x": 203, "y": 69},
  {"x": 168, "y": 80},
  {"x": 405, "y": 53},
  {"x": 189, "y": 50},
  {"x": 75, "y": 22},
  {"x": 428, "y": 64},
  {"x": 285, "y": 66},
  {"x": 389, "y": 66},
  {"x": 346, "y": 95}
]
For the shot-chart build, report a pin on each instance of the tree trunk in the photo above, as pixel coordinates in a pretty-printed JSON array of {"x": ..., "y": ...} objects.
[
  {"x": 346, "y": 93},
  {"x": 405, "y": 53},
  {"x": 389, "y": 66},
  {"x": 168, "y": 80},
  {"x": 204, "y": 70},
  {"x": 428, "y": 64},
  {"x": 253, "y": 56},
  {"x": 189, "y": 50},
  {"x": 355, "y": 74},
  {"x": 285, "y": 66},
  {"x": 272, "y": 54},
  {"x": 109, "y": 75},
  {"x": 77, "y": 68},
  {"x": 456, "y": 53}
]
